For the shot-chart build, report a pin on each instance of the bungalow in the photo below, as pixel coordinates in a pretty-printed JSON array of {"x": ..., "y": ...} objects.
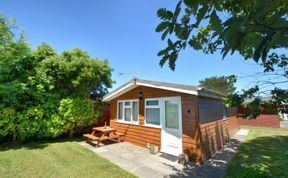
[{"x": 177, "y": 118}]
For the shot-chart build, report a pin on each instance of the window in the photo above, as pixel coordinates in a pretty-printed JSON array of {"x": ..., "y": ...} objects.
[
  {"x": 152, "y": 111},
  {"x": 171, "y": 113},
  {"x": 135, "y": 110},
  {"x": 120, "y": 111},
  {"x": 128, "y": 111},
  {"x": 210, "y": 110},
  {"x": 225, "y": 112},
  {"x": 152, "y": 103}
]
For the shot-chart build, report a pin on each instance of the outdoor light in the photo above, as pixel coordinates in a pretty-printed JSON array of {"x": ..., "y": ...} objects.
[{"x": 140, "y": 95}]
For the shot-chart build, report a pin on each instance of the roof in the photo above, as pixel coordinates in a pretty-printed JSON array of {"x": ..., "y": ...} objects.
[
  {"x": 264, "y": 99},
  {"x": 181, "y": 88}
]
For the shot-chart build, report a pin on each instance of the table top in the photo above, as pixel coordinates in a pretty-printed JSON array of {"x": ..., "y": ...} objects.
[{"x": 103, "y": 129}]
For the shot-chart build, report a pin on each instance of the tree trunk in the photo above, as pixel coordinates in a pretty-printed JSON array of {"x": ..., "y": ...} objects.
[
  {"x": 14, "y": 135},
  {"x": 71, "y": 133}
]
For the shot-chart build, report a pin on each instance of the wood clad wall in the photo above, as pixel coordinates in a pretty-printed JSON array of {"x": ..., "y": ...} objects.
[
  {"x": 141, "y": 135},
  {"x": 215, "y": 134}
]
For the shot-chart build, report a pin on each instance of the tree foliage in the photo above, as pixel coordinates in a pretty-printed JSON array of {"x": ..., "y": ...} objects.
[
  {"x": 74, "y": 111},
  {"x": 222, "y": 84},
  {"x": 255, "y": 29},
  {"x": 44, "y": 94}
]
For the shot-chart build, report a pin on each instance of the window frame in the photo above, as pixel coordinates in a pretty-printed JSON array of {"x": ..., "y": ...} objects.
[
  {"x": 225, "y": 112},
  {"x": 159, "y": 106},
  {"x": 122, "y": 119}
]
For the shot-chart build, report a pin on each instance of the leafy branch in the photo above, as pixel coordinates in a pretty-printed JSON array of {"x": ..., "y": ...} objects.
[{"x": 255, "y": 29}]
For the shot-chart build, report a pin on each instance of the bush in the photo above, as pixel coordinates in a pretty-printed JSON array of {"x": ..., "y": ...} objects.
[{"x": 43, "y": 94}]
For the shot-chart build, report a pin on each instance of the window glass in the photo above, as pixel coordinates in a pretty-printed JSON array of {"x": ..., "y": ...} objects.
[
  {"x": 127, "y": 113},
  {"x": 153, "y": 116},
  {"x": 135, "y": 110},
  {"x": 210, "y": 110},
  {"x": 225, "y": 112},
  {"x": 120, "y": 110},
  {"x": 127, "y": 103},
  {"x": 152, "y": 103},
  {"x": 171, "y": 115}
]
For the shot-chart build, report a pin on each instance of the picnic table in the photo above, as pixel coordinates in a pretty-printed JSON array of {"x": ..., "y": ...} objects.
[{"x": 104, "y": 133}]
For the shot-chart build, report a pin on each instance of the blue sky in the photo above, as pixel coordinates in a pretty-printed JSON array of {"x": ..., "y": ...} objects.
[{"x": 122, "y": 32}]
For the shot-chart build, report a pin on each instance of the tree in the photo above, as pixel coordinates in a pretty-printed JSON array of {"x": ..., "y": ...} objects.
[
  {"x": 220, "y": 84},
  {"x": 76, "y": 111},
  {"x": 74, "y": 73},
  {"x": 15, "y": 67},
  {"x": 257, "y": 30},
  {"x": 8, "y": 122},
  {"x": 44, "y": 94},
  {"x": 71, "y": 77}
]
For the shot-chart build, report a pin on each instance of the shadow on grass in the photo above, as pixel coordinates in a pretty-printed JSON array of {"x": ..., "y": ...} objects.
[
  {"x": 261, "y": 157},
  {"x": 265, "y": 156},
  {"x": 36, "y": 144}
]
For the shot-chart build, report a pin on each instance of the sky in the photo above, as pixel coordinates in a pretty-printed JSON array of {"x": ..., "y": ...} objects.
[{"x": 122, "y": 32}]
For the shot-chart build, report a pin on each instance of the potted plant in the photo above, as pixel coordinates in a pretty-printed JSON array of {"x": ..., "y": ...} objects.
[{"x": 153, "y": 149}]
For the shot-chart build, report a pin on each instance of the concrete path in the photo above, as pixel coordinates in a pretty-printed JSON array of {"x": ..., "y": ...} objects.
[
  {"x": 141, "y": 163},
  {"x": 138, "y": 160},
  {"x": 284, "y": 124},
  {"x": 216, "y": 166}
]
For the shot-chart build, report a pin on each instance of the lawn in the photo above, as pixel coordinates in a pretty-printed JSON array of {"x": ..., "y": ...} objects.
[
  {"x": 58, "y": 159},
  {"x": 264, "y": 153}
]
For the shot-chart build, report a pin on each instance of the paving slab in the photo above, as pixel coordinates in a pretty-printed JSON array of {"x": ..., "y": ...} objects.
[
  {"x": 284, "y": 124},
  {"x": 242, "y": 132},
  {"x": 136, "y": 160},
  {"x": 141, "y": 163}
]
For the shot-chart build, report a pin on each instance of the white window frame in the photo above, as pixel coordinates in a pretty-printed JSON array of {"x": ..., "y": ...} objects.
[
  {"x": 122, "y": 120},
  {"x": 160, "y": 110}
]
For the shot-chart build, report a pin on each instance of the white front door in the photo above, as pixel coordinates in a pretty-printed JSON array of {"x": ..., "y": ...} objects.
[{"x": 171, "y": 135}]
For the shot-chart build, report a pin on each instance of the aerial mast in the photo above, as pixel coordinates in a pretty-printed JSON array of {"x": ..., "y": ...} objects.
[{"x": 133, "y": 74}]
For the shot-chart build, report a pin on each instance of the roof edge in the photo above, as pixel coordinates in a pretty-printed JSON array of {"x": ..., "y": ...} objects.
[{"x": 135, "y": 82}]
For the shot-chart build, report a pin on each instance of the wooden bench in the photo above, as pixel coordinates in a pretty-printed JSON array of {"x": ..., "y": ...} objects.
[
  {"x": 105, "y": 134},
  {"x": 117, "y": 135},
  {"x": 120, "y": 134},
  {"x": 91, "y": 137}
]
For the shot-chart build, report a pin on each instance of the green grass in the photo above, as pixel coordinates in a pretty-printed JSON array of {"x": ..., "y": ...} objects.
[
  {"x": 264, "y": 153},
  {"x": 58, "y": 159}
]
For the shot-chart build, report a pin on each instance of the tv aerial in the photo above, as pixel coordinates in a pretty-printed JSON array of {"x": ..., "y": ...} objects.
[{"x": 133, "y": 74}]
